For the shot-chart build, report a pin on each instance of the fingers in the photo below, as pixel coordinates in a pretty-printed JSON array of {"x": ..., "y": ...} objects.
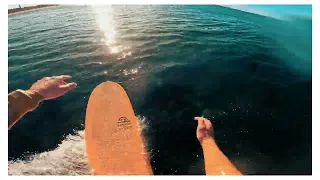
[
  {"x": 199, "y": 118},
  {"x": 203, "y": 122},
  {"x": 62, "y": 77},
  {"x": 208, "y": 124},
  {"x": 68, "y": 87}
]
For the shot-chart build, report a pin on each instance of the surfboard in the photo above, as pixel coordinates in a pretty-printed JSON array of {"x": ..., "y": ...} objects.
[{"x": 114, "y": 145}]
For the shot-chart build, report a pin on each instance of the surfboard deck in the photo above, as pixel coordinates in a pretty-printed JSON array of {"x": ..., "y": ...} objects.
[{"x": 113, "y": 142}]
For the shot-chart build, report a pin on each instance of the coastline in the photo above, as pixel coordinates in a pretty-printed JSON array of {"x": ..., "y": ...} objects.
[{"x": 30, "y": 8}]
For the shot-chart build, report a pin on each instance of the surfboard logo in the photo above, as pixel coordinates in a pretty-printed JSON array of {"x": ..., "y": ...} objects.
[
  {"x": 124, "y": 123},
  {"x": 123, "y": 120}
]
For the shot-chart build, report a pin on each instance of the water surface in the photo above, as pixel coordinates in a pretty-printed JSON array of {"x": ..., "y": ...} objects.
[{"x": 249, "y": 74}]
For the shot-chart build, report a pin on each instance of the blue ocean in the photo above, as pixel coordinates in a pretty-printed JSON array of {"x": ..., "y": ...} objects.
[{"x": 249, "y": 73}]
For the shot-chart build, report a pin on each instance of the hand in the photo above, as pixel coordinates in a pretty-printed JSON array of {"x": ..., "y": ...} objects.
[
  {"x": 204, "y": 129},
  {"x": 52, "y": 87}
]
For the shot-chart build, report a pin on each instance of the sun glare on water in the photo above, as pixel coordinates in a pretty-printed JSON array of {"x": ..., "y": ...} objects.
[
  {"x": 107, "y": 25},
  {"x": 114, "y": 50},
  {"x": 104, "y": 18}
]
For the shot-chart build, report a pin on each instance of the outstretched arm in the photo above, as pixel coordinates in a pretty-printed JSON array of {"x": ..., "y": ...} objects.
[
  {"x": 216, "y": 163},
  {"x": 20, "y": 102}
]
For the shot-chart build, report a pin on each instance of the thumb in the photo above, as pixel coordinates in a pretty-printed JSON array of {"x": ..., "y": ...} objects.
[
  {"x": 68, "y": 87},
  {"x": 201, "y": 123}
]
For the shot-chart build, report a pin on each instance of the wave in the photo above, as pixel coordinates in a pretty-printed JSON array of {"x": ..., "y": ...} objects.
[{"x": 68, "y": 159}]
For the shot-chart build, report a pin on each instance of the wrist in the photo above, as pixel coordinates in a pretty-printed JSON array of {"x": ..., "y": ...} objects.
[
  {"x": 34, "y": 95},
  {"x": 21, "y": 101},
  {"x": 208, "y": 140}
]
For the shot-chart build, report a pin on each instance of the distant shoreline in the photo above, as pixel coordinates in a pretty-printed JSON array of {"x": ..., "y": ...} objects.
[{"x": 30, "y": 8}]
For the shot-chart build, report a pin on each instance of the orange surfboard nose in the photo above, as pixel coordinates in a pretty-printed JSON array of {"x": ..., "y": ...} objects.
[{"x": 113, "y": 143}]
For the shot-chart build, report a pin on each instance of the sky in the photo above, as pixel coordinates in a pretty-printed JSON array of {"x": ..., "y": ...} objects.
[
  {"x": 287, "y": 9},
  {"x": 276, "y": 11}
]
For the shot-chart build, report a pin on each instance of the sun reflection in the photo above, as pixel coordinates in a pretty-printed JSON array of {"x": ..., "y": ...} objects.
[
  {"x": 132, "y": 71},
  {"x": 104, "y": 18},
  {"x": 114, "y": 50}
]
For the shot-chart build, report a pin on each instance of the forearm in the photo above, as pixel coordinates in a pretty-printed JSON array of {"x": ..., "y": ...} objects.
[
  {"x": 19, "y": 103},
  {"x": 216, "y": 163}
]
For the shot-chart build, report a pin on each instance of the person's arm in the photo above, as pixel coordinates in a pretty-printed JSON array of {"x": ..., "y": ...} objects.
[
  {"x": 216, "y": 163},
  {"x": 20, "y": 102}
]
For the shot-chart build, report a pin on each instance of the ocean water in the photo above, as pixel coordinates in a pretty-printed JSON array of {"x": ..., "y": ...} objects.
[{"x": 249, "y": 74}]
